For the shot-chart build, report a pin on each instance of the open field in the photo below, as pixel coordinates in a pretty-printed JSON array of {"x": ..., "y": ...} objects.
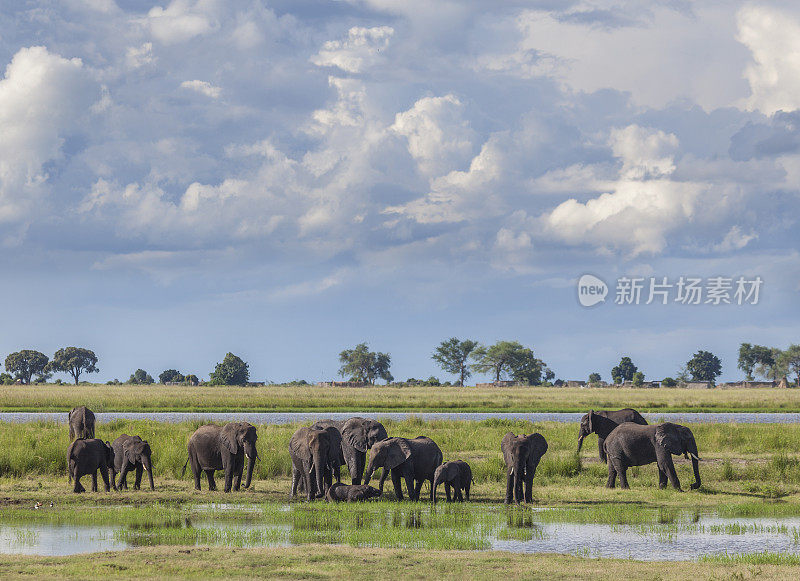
[
  {"x": 332, "y": 562},
  {"x": 141, "y": 398}
]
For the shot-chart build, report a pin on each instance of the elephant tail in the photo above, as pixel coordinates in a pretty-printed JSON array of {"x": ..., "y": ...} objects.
[{"x": 183, "y": 472}]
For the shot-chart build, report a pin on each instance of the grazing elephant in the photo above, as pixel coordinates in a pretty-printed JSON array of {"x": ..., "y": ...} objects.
[
  {"x": 457, "y": 474},
  {"x": 414, "y": 460},
  {"x": 81, "y": 423},
  {"x": 351, "y": 493},
  {"x": 603, "y": 423},
  {"x": 634, "y": 445},
  {"x": 358, "y": 436},
  {"x": 522, "y": 455},
  {"x": 311, "y": 450},
  {"x": 214, "y": 447},
  {"x": 131, "y": 453},
  {"x": 87, "y": 456}
]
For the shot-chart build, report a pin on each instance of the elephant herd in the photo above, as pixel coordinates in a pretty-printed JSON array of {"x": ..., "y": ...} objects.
[{"x": 319, "y": 451}]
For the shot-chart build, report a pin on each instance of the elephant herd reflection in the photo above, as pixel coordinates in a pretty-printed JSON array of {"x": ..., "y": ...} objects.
[{"x": 319, "y": 451}]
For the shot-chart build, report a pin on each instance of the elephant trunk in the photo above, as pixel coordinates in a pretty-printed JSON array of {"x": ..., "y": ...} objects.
[
  {"x": 692, "y": 449},
  {"x": 368, "y": 474},
  {"x": 519, "y": 471},
  {"x": 148, "y": 467},
  {"x": 436, "y": 482},
  {"x": 580, "y": 441},
  {"x": 319, "y": 464},
  {"x": 251, "y": 462}
]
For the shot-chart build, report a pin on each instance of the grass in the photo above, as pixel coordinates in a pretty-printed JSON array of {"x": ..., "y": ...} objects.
[
  {"x": 109, "y": 398},
  {"x": 331, "y": 562}
]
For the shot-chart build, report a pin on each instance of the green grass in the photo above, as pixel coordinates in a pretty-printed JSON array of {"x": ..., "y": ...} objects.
[
  {"x": 765, "y": 558},
  {"x": 107, "y": 398}
]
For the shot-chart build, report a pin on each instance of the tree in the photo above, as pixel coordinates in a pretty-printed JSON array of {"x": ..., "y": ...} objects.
[
  {"x": 771, "y": 365},
  {"x": 752, "y": 355},
  {"x": 638, "y": 379},
  {"x": 170, "y": 376},
  {"x": 624, "y": 371},
  {"x": 790, "y": 360},
  {"x": 452, "y": 355},
  {"x": 75, "y": 361},
  {"x": 6, "y": 379},
  {"x": 27, "y": 363},
  {"x": 704, "y": 366},
  {"x": 595, "y": 378},
  {"x": 509, "y": 359},
  {"x": 232, "y": 371},
  {"x": 361, "y": 364},
  {"x": 668, "y": 382},
  {"x": 140, "y": 377},
  {"x": 191, "y": 379}
]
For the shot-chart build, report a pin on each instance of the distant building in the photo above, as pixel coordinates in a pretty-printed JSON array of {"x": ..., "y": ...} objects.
[
  {"x": 699, "y": 385},
  {"x": 575, "y": 383},
  {"x": 498, "y": 384},
  {"x": 749, "y": 384},
  {"x": 342, "y": 384}
]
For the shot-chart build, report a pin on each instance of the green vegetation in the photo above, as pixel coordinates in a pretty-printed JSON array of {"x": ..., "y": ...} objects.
[
  {"x": 232, "y": 371},
  {"x": 452, "y": 356},
  {"x": 704, "y": 366},
  {"x": 510, "y": 359},
  {"x": 75, "y": 361},
  {"x": 27, "y": 363},
  {"x": 365, "y": 366},
  {"x": 141, "y": 377},
  {"x": 624, "y": 371}
]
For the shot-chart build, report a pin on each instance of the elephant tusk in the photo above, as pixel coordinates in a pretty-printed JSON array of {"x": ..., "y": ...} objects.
[
  {"x": 248, "y": 455},
  {"x": 145, "y": 468},
  {"x": 694, "y": 456}
]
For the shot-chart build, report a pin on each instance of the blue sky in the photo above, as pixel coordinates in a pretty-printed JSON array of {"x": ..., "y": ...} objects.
[{"x": 286, "y": 179}]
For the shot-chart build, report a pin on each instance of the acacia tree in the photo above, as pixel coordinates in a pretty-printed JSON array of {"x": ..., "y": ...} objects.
[
  {"x": 75, "y": 361},
  {"x": 27, "y": 363},
  {"x": 362, "y": 365},
  {"x": 140, "y": 377},
  {"x": 704, "y": 366},
  {"x": 790, "y": 360},
  {"x": 624, "y": 371},
  {"x": 169, "y": 376},
  {"x": 508, "y": 359},
  {"x": 772, "y": 365},
  {"x": 452, "y": 356},
  {"x": 752, "y": 355},
  {"x": 232, "y": 371}
]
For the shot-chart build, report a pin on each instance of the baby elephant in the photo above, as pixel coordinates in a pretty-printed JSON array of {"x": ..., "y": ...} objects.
[
  {"x": 87, "y": 457},
  {"x": 351, "y": 493},
  {"x": 456, "y": 474}
]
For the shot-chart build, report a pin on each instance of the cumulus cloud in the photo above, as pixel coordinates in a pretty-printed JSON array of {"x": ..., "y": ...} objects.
[
  {"x": 180, "y": 21},
  {"x": 773, "y": 38},
  {"x": 43, "y": 97},
  {"x": 202, "y": 87},
  {"x": 356, "y": 53}
]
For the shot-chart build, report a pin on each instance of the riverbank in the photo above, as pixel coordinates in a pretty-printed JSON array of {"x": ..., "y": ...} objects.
[{"x": 141, "y": 398}]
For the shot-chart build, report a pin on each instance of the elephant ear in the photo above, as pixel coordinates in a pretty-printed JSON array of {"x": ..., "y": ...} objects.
[
  {"x": 397, "y": 453},
  {"x": 376, "y": 433},
  {"x": 356, "y": 437},
  {"x": 227, "y": 437},
  {"x": 667, "y": 435},
  {"x": 505, "y": 446}
]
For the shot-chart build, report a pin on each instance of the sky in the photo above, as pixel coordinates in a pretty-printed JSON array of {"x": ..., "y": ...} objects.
[{"x": 285, "y": 179}]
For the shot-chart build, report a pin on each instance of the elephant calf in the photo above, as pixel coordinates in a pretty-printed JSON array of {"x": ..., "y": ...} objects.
[
  {"x": 351, "y": 493},
  {"x": 87, "y": 457},
  {"x": 131, "y": 453},
  {"x": 456, "y": 474},
  {"x": 634, "y": 445}
]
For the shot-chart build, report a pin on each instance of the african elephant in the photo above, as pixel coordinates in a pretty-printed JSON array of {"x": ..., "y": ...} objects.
[
  {"x": 635, "y": 445},
  {"x": 457, "y": 474},
  {"x": 603, "y": 423},
  {"x": 131, "y": 452},
  {"x": 214, "y": 447},
  {"x": 522, "y": 455},
  {"x": 336, "y": 456},
  {"x": 81, "y": 423},
  {"x": 311, "y": 450},
  {"x": 414, "y": 460},
  {"x": 351, "y": 493},
  {"x": 87, "y": 456},
  {"x": 358, "y": 436}
]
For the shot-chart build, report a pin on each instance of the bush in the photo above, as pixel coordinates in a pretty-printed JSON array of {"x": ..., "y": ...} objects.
[
  {"x": 141, "y": 377},
  {"x": 6, "y": 379},
  {"x": 668, "y": 382}
]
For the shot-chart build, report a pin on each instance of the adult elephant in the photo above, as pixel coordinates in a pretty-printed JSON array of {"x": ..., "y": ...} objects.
[
  {"x": 603, "y": 423},
  {"x": 81, "y": 423},
  {"x": 358, "y": 436},
  {"x": 415, "y": 460},
  {"x": 521, "y": 455},
  {"x": 635, "y": 445},
  {"x": 336, "y": 457},
  {"x": 214, "y": 447},
  {"x": 132, "y": 453},
  {"x": 311, "y": 450},
  {"x": 86, "y": 456}
]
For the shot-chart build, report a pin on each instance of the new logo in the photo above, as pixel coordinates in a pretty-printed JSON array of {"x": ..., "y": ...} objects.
[{"x": 591, "y": 290}]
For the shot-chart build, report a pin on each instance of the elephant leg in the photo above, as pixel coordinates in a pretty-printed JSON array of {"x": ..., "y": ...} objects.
[
  {"x": 104, "y": 475},
  {"x": 622, "y": 470},
  {"x": 78, "y": 487},
  {"x": 295, "y": 481},
  {"x": 212, "y": 484},
  {"x": 138, "y": 482},
  {"x": 529, "y": 488},
  {"x": 196, "y": 478},
  {"x": 509, "y": 487},
  {"x": 466, "y": 490},
  {"x": 518, "y": 492},
  {"x": 94, "y": 481},
  {"x": 337, "y": 472},
  {"x": 123, "y": 477},
  {"x": 662, "y": 478},
  {"x": 413, "y": 491},
  {"x": 447, "y": 491},
  {"x": 669, "y": 468},
  {"x": 228, "y": 477},
  {"x": 398, "y": 484},
  {"x": 612, "y": 475},
  {"x": 600, "y": 442}
]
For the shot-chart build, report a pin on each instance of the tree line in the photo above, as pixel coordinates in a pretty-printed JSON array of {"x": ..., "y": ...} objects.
[{"x": 461, "y": 357}]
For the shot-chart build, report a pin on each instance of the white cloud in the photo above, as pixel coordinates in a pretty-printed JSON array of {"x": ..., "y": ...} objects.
[
  {"x": 356, "y": 53},
  {"x": 773, "y": 38},
  {"x": 42, "y": 97},
  {"x": 644, "y": 152},
  {"x": 735, "y": 239},
  {"x": 139, "y": 56},
  {"x": 202, "y": 87},
  {"x": 181, "y": 20},
  {"x": 439, "y": 137}
]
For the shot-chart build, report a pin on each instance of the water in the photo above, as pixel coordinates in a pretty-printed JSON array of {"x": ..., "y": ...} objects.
[
  {"x": 521, "y": 531},
  {"x": 257, "y": 418}
]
